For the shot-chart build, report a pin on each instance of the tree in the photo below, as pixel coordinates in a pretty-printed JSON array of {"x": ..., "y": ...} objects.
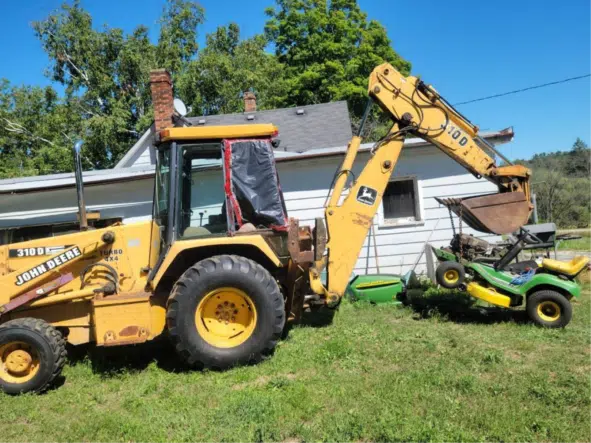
[
  {"x": 561, "y": 183},
  {"x": 35, "y": 131},
  {"x": 329, "y": 49},
  {"x": 226, "y": 68},
  {"x": 580, "y": 160},
  {"x": 177, "y": 44},
  {"x": 106, "y": 73}
]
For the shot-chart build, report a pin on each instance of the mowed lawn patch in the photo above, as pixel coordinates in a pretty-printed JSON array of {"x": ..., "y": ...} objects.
[
  {"x": 580, "y": 244},
  {"x": 368, "y": 373}
]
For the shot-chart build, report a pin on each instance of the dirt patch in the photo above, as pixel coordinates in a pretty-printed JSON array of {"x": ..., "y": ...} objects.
[
  {"x": 513, "y": 355},
  {"x": 259, "y": 382}
]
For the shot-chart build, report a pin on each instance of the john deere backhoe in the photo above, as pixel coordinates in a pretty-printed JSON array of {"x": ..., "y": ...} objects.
[{"x": 223, "y": 284}]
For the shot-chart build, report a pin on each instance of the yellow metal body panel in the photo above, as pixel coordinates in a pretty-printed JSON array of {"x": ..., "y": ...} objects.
[
  {"x": 75, "y": 316},
  {"x": 66, "y": 315},
  {"x": 73, "y": 304},
  {"x": 218, "y": 132},
  {"x": 182, "y": 245},
  {"x": 81, "y": 294},
  {"x": 126, "y": 319},
  {"x": 405, "y": 99},
  {"x": 349, "y": 223},
  {"x": 488, "y": 295},
  {"x": 128, "y": 254},
  {"x": 155, "y": 242}
]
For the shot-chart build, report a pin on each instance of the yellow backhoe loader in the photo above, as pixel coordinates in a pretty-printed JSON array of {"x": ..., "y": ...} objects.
[{"x": 224, "y": 287}]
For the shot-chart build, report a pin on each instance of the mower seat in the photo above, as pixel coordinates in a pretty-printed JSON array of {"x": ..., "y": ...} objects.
[{"x": 568, "y": 268}]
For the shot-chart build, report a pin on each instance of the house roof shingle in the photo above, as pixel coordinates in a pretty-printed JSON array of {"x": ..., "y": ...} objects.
[{"x": 301, "y": 128}]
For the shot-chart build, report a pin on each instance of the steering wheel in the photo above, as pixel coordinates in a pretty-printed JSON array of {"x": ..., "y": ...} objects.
[{"x": 530, "y": 235}]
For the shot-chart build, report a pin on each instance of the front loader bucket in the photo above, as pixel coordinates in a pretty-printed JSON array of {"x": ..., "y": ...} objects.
[{"x": 494, "y": 213}]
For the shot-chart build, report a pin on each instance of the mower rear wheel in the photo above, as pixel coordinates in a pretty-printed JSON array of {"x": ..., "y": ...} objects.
[
  {"x": 32, "y": 355},
  {"x": 549, "y": 309},
  {"x": 450, "y": 274},
  {"x": 225, "y": 311}
]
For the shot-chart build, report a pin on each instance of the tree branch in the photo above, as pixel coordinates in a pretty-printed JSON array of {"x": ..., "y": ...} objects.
[{"x": 17, "y": 128}]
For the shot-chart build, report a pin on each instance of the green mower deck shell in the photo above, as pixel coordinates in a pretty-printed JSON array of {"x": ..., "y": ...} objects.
[
  {"x": 444, "y": 255},
  {"x": 502, "y": 280},
  {"x": 381, "y": 288}
]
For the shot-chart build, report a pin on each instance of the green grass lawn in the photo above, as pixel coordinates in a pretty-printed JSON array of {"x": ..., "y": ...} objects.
[
  {"x": 371, "y": 373},
  {"x": 580, "y": 244}
]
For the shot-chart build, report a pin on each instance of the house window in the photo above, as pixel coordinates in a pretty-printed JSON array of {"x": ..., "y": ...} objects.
[{"x": 401, "y": 203}]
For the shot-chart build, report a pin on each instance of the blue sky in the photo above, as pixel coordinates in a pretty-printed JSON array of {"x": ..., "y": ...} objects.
[{"x": 466, "y": 49}]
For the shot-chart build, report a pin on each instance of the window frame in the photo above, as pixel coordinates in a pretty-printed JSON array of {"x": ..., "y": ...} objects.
[
  {"x": 418, "y": 219},
  {"x": 203, "y": 145}
]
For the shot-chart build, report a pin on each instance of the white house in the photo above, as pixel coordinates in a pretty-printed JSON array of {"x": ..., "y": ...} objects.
[{"x": 313, "y": 143}]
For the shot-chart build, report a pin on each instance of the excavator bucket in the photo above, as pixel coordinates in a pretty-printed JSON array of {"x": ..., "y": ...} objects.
[{"x": 494, "y": 213}]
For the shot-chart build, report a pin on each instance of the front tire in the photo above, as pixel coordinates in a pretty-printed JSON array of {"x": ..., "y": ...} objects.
[
  {"x": 450, "y": 274},
  {"x": 32, "y": 355},
  {"x": 549, "y": 309},
  {"x": 225, "y": 311}
]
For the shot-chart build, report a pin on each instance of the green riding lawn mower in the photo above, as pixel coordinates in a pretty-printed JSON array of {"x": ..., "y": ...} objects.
[{"x": 495, "y": 274}]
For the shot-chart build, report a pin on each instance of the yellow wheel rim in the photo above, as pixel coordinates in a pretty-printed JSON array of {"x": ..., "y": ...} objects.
[
  {"x": 226, "y": 317},
  {"x": 19, "y": 362},
  {"x": 451, "y": 276},
  {"x": 549, "y": 311}
]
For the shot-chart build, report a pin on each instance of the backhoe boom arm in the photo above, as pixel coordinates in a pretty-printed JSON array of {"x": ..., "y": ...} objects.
[{"x": 416, "y": 109}]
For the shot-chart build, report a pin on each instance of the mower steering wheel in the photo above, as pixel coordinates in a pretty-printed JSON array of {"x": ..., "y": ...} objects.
[{"x": 529, "y": 234}]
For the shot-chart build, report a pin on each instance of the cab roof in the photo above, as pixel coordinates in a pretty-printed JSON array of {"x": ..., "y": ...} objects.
[{"x": 218, "y": 132}]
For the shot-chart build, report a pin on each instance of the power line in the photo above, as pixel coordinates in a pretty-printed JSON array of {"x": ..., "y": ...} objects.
[{"x": 524, "y": 89}]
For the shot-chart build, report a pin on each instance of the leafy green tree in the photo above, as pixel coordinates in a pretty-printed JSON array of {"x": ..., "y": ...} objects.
[
  {"x": 35, "y": 130},
  {"x": 580, "y": 160},
  {"x": 562, "y": 185},
  {"x": 325, "y": 50},
  {"x": 226, "y": 68},
  {"x": 329, "y": 49},
  {"x": 177, "y": 44},
  {"x": 106, "y": 73}
]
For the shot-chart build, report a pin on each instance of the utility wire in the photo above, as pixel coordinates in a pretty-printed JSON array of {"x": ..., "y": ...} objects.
[{"x": 524, "y": 89}]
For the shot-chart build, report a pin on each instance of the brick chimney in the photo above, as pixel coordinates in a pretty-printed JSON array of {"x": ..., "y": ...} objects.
[
  {"x": 162, "y": 98},
  {"x": 250, "y": 102}
]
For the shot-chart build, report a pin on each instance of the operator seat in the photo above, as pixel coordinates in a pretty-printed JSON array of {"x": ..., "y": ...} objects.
[{"x": 568, "y": 268}]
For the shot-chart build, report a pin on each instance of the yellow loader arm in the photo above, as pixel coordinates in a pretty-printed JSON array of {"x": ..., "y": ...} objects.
[{"x": 416, "y": 110}]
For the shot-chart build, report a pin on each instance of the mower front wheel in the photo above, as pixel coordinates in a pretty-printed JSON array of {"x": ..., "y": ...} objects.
[
  {"x": 450, "y": 274},
  {"x": 549, "y": 309}
]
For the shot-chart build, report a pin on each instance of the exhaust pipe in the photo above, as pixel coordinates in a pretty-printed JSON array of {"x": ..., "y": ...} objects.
[{"x": 80, "y": 185}]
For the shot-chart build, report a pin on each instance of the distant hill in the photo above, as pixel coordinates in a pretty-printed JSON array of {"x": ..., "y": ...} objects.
[{"x": 562, "y": 185}]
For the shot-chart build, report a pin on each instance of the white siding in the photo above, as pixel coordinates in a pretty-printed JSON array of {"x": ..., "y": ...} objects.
[
  {"x": 130, "y": 200},
  {"x": 145, "y": 159},
  {"x": 305, "y": 185}
]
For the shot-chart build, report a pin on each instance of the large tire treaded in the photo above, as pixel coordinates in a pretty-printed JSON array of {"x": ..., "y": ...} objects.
[
  {"x": 52, "y": 337},
  {"x": 180, "y": 302}
]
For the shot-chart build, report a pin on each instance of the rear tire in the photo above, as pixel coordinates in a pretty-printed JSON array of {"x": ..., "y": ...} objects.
[
  {"x": 32, "y": 355},
  {"x": 549, "y": 309},
  {"x": 225, "y": 311},
  {"x": 450, "y": 274}
]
